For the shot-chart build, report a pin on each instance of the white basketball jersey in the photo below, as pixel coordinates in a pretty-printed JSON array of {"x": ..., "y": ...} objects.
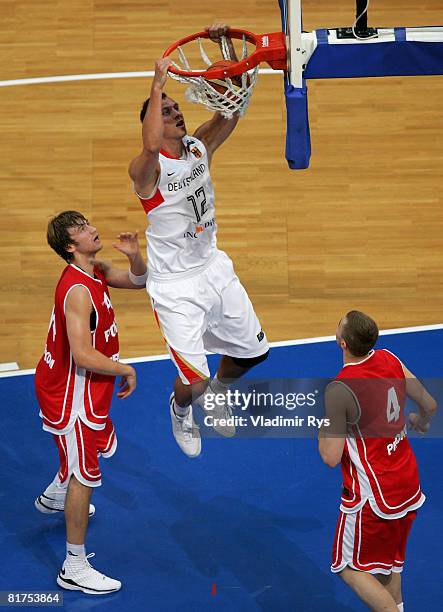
[{"x": 181, "y": 235}]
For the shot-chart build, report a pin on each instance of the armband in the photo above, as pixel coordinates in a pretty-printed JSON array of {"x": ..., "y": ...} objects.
[{"x": 138, "y": 280}]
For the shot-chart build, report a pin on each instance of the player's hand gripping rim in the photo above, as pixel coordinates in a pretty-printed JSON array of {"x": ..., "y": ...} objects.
[{"x": 161, "y": 72}]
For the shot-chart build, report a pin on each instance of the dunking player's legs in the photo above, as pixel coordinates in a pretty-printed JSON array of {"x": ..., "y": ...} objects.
[
  {"x": 185, "y": 432},
  {"x": 185, "y": 394},
  {"x": 227, "y": 372},
  {"x": 369, "y": 589}
]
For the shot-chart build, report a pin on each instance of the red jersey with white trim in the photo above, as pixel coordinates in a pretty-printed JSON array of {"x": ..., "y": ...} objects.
[
  {"x": 378, "y": 463},
  {"x": 65, "y": 391},
  {"x": 181, "y": 236}
]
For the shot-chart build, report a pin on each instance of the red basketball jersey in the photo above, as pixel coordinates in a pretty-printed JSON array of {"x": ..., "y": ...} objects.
[
  {"x": 65, "y": 391},
  {"x": 378, "y": 463}
]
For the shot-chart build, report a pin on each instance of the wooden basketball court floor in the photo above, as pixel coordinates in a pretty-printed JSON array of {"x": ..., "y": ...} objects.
[{"x": 362, "y": 228}]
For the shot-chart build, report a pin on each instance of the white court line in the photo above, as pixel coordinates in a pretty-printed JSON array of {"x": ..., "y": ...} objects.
[
  {"x": 384, "y": 332},
  {"x": 7, "y": 367},
  {"x": 97, "y": 76}
]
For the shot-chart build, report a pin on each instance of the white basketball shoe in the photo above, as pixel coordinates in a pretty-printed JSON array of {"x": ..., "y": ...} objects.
[
  {"x": 77, "y": 574},
  {"x": 186, "y": 432},
  {"x": 52, "y": 504}
]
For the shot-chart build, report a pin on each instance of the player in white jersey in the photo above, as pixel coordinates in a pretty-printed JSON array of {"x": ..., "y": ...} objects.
[{"x": 198, "y": 300}]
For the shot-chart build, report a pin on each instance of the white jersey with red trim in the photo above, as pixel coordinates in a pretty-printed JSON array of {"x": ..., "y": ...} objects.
[
  {"x": 378, "y": 463},
  {"x": 65, "y": 391},
  {"x": 181, "y": 235}
]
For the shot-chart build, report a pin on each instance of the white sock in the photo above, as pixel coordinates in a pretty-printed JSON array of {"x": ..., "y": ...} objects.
[
  {"x": 56, "y": 489},
  {"x": 400, "y": 607},
  {"x": 180, "y": 411},
  {"x": 75, "y": 550}
]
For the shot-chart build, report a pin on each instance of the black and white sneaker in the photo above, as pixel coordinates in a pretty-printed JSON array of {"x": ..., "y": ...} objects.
[
  {"x": 77, "y": 574},
  {"x": 51, "y": 505}
]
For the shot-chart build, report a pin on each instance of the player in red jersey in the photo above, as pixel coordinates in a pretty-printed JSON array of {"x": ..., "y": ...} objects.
[
  {"x": 381, "y": 487},
  {"x": 74, "y": 382}
]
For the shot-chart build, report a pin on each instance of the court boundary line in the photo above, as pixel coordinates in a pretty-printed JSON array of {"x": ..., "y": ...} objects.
[
  {"x": 95, "y": 77},
  {"x": 319, "y": 339}
]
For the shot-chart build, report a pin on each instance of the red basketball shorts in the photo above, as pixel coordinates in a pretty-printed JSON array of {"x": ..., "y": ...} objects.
[
  {"x": 368, "y": 543},
  {"x": 79, "y": 450}
]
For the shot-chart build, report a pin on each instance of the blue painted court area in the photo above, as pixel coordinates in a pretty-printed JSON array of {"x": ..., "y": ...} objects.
[{"x": 254, "y": 517}]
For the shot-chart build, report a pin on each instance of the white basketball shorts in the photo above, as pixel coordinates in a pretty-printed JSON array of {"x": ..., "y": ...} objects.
[{"x": 209, "y": 311}]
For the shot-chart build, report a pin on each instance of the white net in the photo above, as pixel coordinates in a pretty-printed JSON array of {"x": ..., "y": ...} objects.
[{"x": 226, "y": 96}]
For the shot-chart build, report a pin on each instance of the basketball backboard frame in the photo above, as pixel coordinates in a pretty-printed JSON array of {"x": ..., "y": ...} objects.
[
  {"x": 333, "y": 53},
  {"x": 292, "y": 27}
]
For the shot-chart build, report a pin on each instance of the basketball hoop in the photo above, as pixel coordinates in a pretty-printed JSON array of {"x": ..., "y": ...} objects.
[{"x": 235, "y": 96}]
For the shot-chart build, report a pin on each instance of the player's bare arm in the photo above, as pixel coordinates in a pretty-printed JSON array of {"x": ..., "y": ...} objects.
[
  {"x": 426, "y": 403},
  {"x": 340, "y": 409},
  {"x": 214, "y": 132},
  {"x": 78, "y": 313},
  {"x": 144, "y": 168},
  {"x": 135, "y": 277}
]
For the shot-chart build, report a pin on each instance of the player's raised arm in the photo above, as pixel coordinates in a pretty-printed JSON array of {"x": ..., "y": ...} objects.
[
  {"x": 136, "y": 276},
  {"x": 427, "y": 405},
  {"x": 214, "y": 132},
  {"x": 144, "y": 168}
]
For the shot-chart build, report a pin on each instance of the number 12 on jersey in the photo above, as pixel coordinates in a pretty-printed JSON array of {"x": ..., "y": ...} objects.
[{"x": 198, "y": 201}]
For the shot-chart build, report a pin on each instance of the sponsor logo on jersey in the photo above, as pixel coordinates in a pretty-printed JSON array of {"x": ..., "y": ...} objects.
[
  {"x": 197, "y": 172},
  {"x": 265, "y": 41},
  {"x": 199, "y": 229},
  {"x": 392, "y": 446},
  {"x": 260, "y": 335}
]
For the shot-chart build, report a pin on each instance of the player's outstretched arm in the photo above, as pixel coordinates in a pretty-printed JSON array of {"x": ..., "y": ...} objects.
[
  {"x": 135, "y": 277},
  {"x": 78, "y": 312},
  {"x": 214, "y": 132},
  {"x": 144, "y": 168},
  {"x": 426, "y": 403}
]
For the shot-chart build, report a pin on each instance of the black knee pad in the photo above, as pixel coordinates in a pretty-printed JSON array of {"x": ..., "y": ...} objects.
[{"x": 250, "y": 362}]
